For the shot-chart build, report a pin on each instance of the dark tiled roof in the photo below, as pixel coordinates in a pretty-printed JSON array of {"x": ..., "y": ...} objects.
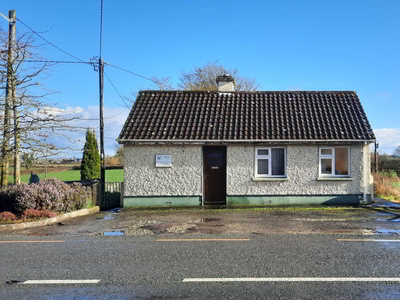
[{"x": 198, "y": 115}]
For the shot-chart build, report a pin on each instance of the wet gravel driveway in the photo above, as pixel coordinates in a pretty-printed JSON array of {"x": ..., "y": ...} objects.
[{"x": 282, "y": 220}]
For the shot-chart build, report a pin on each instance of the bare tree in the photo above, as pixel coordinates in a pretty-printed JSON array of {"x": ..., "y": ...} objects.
[
  {"x": 204, "y": 78},
  {"x": 36, "y": 120},
  {"x": 163, "y": 83}
]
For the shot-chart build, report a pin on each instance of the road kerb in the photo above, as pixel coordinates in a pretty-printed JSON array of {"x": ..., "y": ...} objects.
[{"x": 57, "y": 219}]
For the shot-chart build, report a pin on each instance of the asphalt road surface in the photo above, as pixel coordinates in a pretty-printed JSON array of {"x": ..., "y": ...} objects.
[{"x": 268, "y": 266}]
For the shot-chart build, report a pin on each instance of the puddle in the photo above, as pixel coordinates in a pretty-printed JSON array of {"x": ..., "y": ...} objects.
[
  {"x": 388, "y": 231},
  {"x": 205, "y": 220},
  {"x": 109, "y": 217},
  {"x": 387, "y": 204},
  {"x": 347, "y": 231},
  {"x": 113, "y": 233},
  {"x": 396, "y": 219}
]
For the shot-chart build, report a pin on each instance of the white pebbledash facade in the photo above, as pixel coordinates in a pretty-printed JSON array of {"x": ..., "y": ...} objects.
[{"x": 182, "y": 184}]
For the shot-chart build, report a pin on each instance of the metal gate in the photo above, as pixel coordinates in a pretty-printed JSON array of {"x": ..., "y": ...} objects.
[{"x": 113, "y": 195}]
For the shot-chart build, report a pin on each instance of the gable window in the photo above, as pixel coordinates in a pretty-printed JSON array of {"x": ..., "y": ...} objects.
[
  {"x": 270, "y": 162},
  {"x": 334, "y": 161}
]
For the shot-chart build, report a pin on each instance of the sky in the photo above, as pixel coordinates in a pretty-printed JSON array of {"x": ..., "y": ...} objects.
[{"x": 285, "y": 45}]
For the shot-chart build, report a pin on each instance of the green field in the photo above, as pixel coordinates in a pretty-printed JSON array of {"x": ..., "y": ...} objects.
[{"x": 111, "y": 176}]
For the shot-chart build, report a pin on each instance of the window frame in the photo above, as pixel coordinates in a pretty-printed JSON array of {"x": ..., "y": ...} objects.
[
  {"x": 269, "y": 157},
  {"x": 333, "y": 157}
]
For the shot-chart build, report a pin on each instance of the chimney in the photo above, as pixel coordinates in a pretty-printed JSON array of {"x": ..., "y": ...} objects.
[{"x": 226, "y": 83}]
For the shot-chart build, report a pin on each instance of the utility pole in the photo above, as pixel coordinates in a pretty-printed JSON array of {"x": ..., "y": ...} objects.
[
  {"x": 376, "y": 157},
  {"x": 17, "y": 138},
  {"x": 102, "y": 167},
  {"x": 9, "y": 97},
  {"x": 101, "y": 84}
]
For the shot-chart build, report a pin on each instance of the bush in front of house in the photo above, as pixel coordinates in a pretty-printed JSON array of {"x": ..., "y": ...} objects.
[
  {"x": 37, "y": 214},
  {"x": 50, "y": 194},
  {"x": 7, "y": 216}
]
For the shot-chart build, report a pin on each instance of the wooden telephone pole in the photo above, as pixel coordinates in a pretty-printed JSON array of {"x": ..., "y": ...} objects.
[
  {"x": 10, "y": 97},
  {"x": 101, "y": 85}
]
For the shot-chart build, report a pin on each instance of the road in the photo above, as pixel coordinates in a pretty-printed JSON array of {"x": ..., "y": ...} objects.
[{"x": 143, "y": 267}]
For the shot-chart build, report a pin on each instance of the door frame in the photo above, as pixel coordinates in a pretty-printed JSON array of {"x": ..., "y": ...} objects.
[{"x": 204, "y": 173}]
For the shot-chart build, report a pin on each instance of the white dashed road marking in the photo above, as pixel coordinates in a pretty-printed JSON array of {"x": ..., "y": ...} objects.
[
  {"x": 295, "y": 279},
  {"x": 82, "y": 281},
  {"x": 202, "y": 240}
]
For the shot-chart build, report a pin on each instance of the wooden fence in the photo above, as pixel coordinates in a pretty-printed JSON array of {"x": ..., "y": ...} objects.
[{"x": 113, "y": 193}]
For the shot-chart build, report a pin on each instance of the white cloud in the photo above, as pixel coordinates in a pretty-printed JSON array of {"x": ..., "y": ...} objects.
[
  {"x": 388, "y": 139},
  {"x": 114, "y": 119}
]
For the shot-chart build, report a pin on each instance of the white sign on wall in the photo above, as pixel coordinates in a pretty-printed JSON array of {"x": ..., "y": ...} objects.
[{"x": 163, "y": 161}]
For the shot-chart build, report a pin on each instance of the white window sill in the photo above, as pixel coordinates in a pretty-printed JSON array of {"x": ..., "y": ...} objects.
[
  {"x": 335, "y": 178},
  {"x": 270, "y": 179}
]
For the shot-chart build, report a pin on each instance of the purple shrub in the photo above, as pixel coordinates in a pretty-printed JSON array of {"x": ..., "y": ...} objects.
[
  {"x": 50, "y": 194},
  {"x": 7, "y": 216},
  {"x": 37, "y": 214},
  {"x": 81, "y": 196}
]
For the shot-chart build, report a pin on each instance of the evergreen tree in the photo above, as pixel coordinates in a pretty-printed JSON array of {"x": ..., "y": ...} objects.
[{"x": 90, "y": 165}]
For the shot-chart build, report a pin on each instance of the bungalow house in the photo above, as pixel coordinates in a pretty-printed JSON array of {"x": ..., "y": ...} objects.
[{"x": 228, "y": 147}]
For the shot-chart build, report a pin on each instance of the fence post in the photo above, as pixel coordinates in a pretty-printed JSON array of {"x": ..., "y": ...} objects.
[{"x": 121, "y": 201}]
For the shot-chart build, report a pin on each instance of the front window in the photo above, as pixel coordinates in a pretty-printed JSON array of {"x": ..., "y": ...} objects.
[
  {"x": 270, "y": 162},
  {"x": 334, "y": 161}
]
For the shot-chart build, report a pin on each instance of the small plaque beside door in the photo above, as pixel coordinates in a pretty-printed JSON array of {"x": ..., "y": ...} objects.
[{"x": 163, "y": 161}]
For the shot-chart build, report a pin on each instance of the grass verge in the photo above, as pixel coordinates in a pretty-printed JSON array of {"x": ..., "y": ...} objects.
[
  {"x": 71, "y": 175},
  {"x": 387, "y": 186}
]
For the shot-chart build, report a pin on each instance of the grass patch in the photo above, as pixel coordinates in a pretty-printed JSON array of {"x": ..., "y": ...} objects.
[
  {"x": 115, "y": 175},
  {"x": 71, "y": 175}
]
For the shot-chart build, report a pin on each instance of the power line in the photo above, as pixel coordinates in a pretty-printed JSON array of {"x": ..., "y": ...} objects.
[
  {"x": 58, "y": 48},
  {"x": 116, "y": 90},
  {"x": 133, "y": 73},
  {"x": 56, "y": 61}
]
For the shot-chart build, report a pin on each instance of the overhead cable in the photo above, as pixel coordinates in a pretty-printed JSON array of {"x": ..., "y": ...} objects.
[
  {"x": 50, "y": 43},
  {"x": 133, "y": 73},
  {"x": 122, "y": 98}
]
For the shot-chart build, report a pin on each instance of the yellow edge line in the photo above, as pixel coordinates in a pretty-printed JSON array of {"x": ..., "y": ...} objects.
[
  {"x": 366, "y": 240},
  {"x": 2, "y": 242},
  {"x": 200, "y": 240}
]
